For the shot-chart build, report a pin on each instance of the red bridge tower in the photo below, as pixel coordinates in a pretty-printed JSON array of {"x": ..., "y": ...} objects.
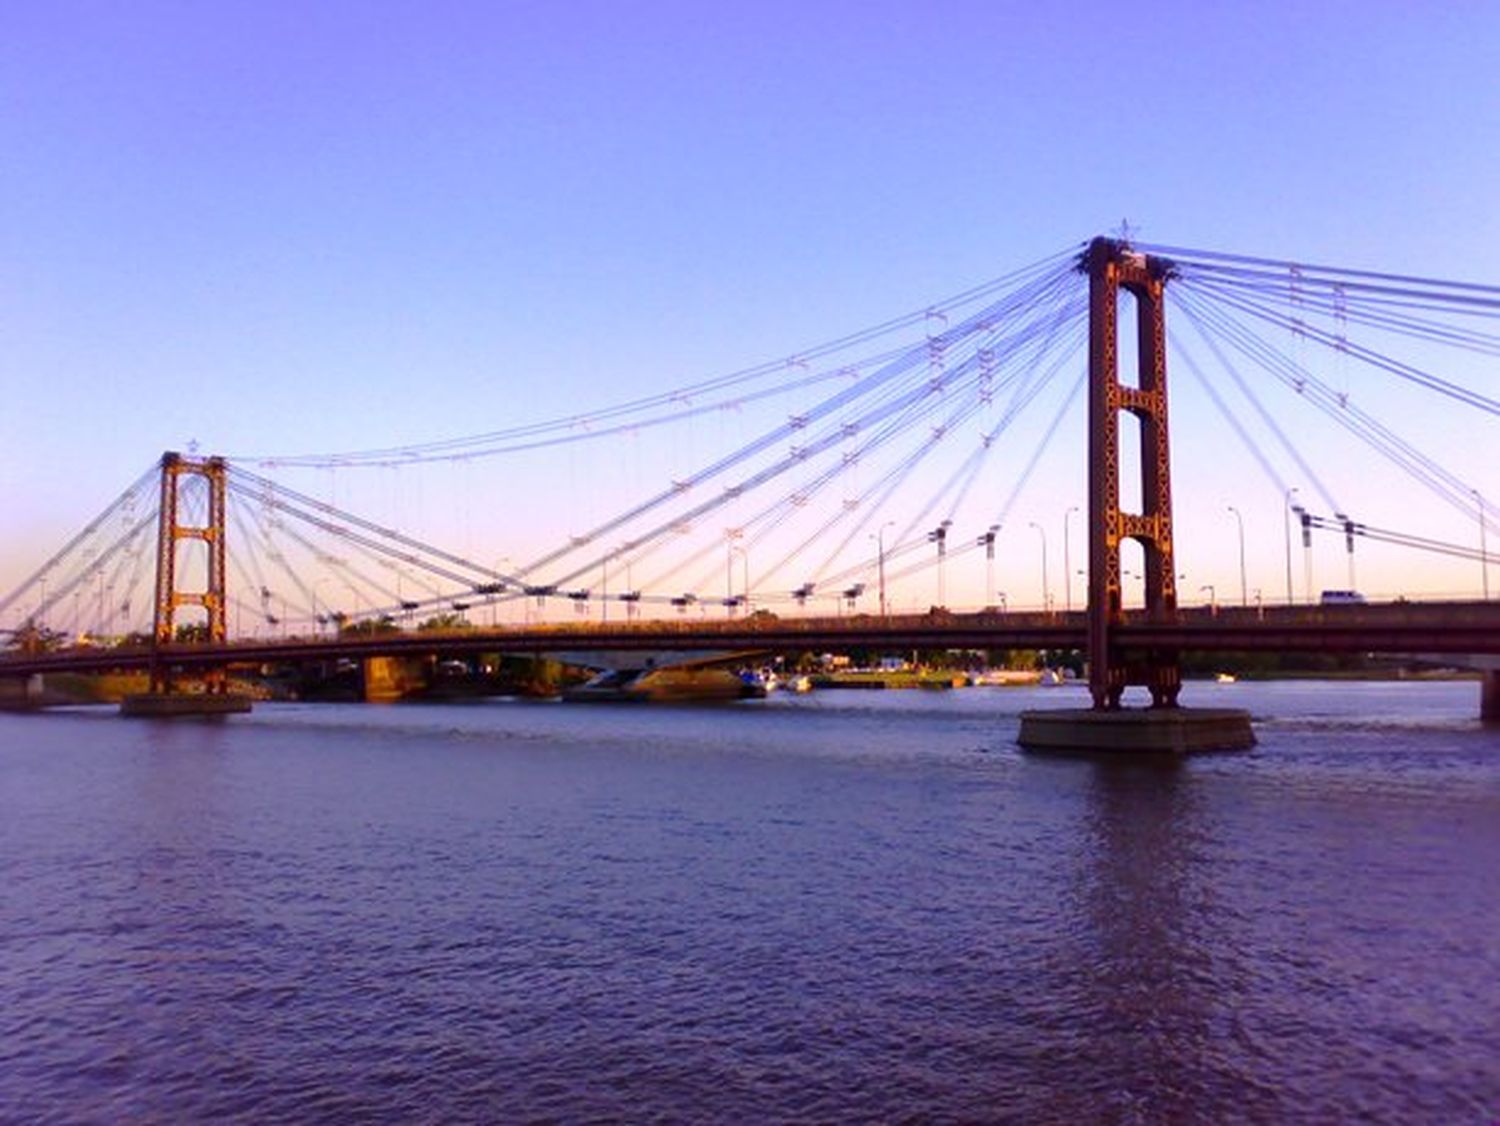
[
  {"x": 1113, "y": 266},
  {"x": 170, "y": 533}
]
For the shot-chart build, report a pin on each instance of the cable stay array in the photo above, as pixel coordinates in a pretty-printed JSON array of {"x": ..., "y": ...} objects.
[
  {"x": 903, "y": 413},
  {"x": 842, "y": 358},
  {"x": 886, "y": 454},
  {"x": 101, "y": 579},
  {"x": 1302, "y": 326}
]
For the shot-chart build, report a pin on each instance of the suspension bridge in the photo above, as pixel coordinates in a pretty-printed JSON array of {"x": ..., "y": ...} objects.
[{"x": 870, "y": 491}]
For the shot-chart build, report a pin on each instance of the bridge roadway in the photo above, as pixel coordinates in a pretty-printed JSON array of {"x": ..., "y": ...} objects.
[{"x": 1455, "y": 628}]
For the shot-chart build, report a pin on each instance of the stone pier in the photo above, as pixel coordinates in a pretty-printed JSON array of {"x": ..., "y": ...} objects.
[
  {"x": 1489, "y": 696},
  {"x": 388, "y": 679},
  {"x": 172, "y": 705},
  {"x": 1136, "y": 730},
  {"x": 22, "y": 693}
]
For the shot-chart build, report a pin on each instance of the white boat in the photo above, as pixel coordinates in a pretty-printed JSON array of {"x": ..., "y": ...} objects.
[{"x": 1006, "y": 677}]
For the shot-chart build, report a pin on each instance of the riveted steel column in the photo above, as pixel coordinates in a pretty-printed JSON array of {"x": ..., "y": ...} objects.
[
  {"x": 166, "y": 569},
  {"x": 1105, "y": 681},
  {"x": 1111, "y": 266},
  {"x": 169, "y": 533}
]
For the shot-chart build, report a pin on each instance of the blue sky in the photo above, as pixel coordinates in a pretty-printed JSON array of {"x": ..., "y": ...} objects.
[{"x": 271, "y": 227}]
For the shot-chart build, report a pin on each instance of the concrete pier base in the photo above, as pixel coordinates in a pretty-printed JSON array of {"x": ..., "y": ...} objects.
[
  {"x": 22, "y": 693},
  {"x": 388, "y": 679},
  {"x": 1489, "y": 696},
  {"x": 164, "y": 705},
  {"x": 1172, "y": 730}
]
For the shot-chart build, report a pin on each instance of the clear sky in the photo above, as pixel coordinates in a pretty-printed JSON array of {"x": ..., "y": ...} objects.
[{"x": 273, "y": 227}]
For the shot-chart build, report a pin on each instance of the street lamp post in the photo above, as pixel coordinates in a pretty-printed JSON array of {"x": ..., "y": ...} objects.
[
  {"x": 1305, "y": 519},
  {"x": 317, "y": 624},
  {"x": 729, "y": 579},
  {"x": 1240, "y": 524},
  {"x": 1067, "y": 562},
  {"x": 1046, "y": 590},
  {"x": 1213, "y": 602},
  {"x": 939, "y": 536},
  {"x": 1348, "y": 525},
  {"x": 500, "y": 560},
  {"x": 1286, "y": 524},
  {"x": 730, "y": 536},
  {"x": 1484, "y": 555},
  {"x": 988, "y": 540},
  {"x": 879, "y": 538},
  {"x": 744, "y": 554}
]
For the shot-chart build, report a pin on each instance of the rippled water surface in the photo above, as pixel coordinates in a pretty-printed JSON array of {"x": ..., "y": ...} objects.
[{"x": 845, "y": 906}]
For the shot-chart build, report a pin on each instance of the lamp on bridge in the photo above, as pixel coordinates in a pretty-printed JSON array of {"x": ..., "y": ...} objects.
[
  {"x": 879, "y": 538},
  {"x": 1046, "y": 590},
  {"x": 1240, "y": 524},
  {"x": 1349, "y": 527},
  {"x": 319, "y": 620},
  {"x": 939, "y": 536},
  {"x": 987, "y": 541},
  {"x": 1484, "y": 554},
  {"x": 1067, "y": 562},
  {"x": 632, "y": 600},
  {"x": 1286, "y": 526},
  {"x": 1305, "y": 519},
  {"x": 744, "y": 598}
]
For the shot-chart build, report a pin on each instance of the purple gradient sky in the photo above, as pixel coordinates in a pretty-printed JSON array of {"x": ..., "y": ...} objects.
[{"x": 279, "y": 227}]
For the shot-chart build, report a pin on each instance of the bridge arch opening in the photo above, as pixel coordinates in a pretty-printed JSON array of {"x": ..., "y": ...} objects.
[
  {"x": 191, "y": 564},
  {"x": 1130, "y": 447},
  {"x": 1127, "y": 337},
  {"x": 1132, "y": 573}
]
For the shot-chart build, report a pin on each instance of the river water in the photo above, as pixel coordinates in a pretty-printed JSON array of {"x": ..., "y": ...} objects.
[{"x": 847, "y": 906}]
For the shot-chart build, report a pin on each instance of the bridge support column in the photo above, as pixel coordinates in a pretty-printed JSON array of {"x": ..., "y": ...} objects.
[
  {"x": 388, "y": 679},
  {"x": 1489, "y": 696},
  {"x": 164, "y": 699},
  {"x": 169, "y": 534},
  {"x": 20, "y": 693},
  {"x": 1112, "y": 266}
]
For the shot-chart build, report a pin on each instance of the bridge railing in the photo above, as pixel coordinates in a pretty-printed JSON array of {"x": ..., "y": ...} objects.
[{"x": 1296, "y": 627}]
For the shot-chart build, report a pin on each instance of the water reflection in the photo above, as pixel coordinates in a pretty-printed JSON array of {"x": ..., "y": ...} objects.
[
  {"x": 820, "y": 912},
  {"x": 1158, "y": 1040}
]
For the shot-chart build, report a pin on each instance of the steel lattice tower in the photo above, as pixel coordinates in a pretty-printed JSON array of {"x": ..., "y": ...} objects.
[
  {"x": 1112, "y": 266},
  {"x": 170, "y": 533}
]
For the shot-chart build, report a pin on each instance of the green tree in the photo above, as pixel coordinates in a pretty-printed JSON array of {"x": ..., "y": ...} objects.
[
  {"x": 445, "y": 622},
  {"x": 370, "y": 627},
  {"x": 32, "y": 638}
]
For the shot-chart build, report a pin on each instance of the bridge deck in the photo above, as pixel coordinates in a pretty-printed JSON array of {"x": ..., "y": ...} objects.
[{"x": 1396, "y": 627}]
